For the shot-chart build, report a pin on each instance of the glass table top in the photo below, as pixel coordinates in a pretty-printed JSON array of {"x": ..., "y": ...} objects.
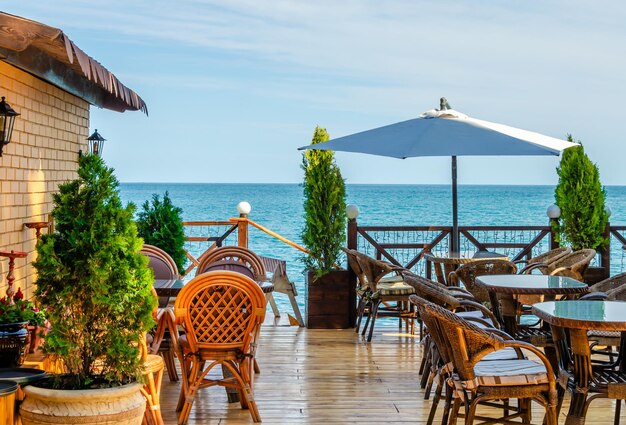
[
  {"x": 530, "y": 281},
  {"x": 583, "y": 311}
]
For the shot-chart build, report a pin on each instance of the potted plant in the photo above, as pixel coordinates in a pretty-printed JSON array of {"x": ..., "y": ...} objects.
[
  {"x": 160, "y": 223},
  {"x": 581, "y": 199},
  {"x": 97, "y": 289},
  {"x": 15, "y": 315},
  {"x": 329, "y": 290}
]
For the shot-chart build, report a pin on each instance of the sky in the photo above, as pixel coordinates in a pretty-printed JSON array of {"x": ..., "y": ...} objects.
[{"x": 234, "y": 87}]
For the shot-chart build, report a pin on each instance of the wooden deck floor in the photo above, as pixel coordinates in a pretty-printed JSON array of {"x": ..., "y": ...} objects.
[{"x": 334, "y": 377}]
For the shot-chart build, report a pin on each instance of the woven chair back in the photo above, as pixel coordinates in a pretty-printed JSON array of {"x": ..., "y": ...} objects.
[
  {"x": 609, "y": 284},
  {"x": 232, "y": 265},
  {"x": 372, "y": 269},
  {"x": 354, "y": 264},
  {"x": 434, "y": 329},
  {"x": 468, "y": 273},
  {"x": 234, "y": 253},
  {"x": 160, "y": 262},
  {"x": 577, "y": 262},
  {"x": 431, "y": 291},
  {"x": 220, "y": 310},
  {"x": 464, "y": 343},
  {"x": 551, "y": 256}
]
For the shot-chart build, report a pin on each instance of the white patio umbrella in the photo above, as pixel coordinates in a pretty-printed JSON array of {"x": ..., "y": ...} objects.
[{"x": 446, "y": 132}]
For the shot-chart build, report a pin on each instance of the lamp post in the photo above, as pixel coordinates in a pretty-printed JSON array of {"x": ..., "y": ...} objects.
[
  {"x": 7, "y": 118},
  {"x": 96, "y": 143}
]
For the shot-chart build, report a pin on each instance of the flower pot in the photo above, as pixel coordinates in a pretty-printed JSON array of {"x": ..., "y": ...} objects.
[
  {"x": 37, "y": 334},
  {"x": 122, "y": 405},
  {"x": 330, "y": 300},
  {"x": 14, "y": 343}
]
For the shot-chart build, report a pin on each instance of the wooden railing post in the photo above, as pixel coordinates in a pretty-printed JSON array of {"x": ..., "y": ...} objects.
[
  {"x": 605, "y": 251},
  {"x": 553, "y": 242},
  {"x": 242, "y": 231}
]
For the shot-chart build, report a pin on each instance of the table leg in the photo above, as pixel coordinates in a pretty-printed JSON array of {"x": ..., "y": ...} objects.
[
  {"x": 581, "y": 356},
  {"x": 439, "y": 273}
]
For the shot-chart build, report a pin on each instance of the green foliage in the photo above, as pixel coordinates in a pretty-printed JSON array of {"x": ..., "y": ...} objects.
[
  {"x": 160, "y": 224},
  {"x": 580, "y": 196},
  {"x": 324, "y": 207},
  {"x": 20, "y": 310},
  {"x": 94, "y": 281}
]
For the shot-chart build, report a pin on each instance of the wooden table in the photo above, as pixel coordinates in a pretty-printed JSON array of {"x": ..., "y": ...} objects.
[
  {"x": 509, "y": 292},
  {"x": 570, "y": 322},
  {"x": 444, "y": 264}
]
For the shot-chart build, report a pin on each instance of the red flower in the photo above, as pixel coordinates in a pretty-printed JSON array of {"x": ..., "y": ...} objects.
[{"x": 19, "y": 295}]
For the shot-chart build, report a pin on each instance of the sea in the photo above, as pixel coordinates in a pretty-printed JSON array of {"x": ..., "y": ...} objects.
[{"x": 279, "y": 207}]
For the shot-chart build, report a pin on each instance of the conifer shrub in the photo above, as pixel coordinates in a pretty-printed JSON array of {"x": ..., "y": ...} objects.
[
  {"x": 160, "y": 223},
  {"x": 324, "y": 230},
  {"x": 94, "y": 282},
  {"x": 581, "y": 198}
]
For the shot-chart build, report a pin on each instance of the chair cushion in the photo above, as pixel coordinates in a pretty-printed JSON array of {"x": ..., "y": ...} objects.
[
  {"x": 475, "y": 314},
  {"x": 507, "y": 373},
  {"x": 528, "y": 320},
  {"x": 603, "y": 334},
  {"x": 394, "y": 288},
  {"x": 504, "y": 354},
  {"x": 391, "y": 279}
]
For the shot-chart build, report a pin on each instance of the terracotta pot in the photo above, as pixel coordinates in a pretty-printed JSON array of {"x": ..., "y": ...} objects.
[
  {"x": 120, "y": 405},
  {"x": 37, "y": 334}
]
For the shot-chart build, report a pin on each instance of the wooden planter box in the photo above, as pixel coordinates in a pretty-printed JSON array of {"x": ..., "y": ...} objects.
[
  {"x": 330, "y": 300},
  {"x": 595, "y": 274}
]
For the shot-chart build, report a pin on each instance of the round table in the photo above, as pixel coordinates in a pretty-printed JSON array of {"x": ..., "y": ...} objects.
[
  {"x": 444, "y": 264},
  {"x": 570, "y": 322},
  {"x": 510, "y": 292}
]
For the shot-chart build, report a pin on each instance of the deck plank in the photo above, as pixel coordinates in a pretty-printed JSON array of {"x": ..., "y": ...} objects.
[{"x": 335, "y": 377}]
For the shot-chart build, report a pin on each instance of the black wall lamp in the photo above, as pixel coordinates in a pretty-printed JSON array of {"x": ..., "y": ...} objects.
[
  {"x": 7, "y": 118},
  {"x": 96, "y": 143}
]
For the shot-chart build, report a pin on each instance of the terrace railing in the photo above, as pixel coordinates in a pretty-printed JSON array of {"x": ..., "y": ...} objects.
[{"x": 406, "y": 246}]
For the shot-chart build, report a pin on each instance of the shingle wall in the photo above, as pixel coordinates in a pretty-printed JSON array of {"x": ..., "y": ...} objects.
[{"x": 43, "y": 152}]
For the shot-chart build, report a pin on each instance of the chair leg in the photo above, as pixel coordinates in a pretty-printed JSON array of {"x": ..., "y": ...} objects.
[
  {"x": 152, "y": 391},
  {"x": 359, "y": 312},
  {"x": 170, "y": 365},
  {"x": 618, "y": 408},
  {"x": 269, "y": 297},
  {"x": 190, "y": 394},
  {"x": 373, "y": 314},
  {"x": 435, "y": 403},
  {"x": 295, "y": 308}
]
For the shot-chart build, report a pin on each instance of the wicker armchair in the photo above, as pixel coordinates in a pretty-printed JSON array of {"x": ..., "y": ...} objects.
[
  {"x": 611, "y": 289},
  {"x": 221, "y": 314},
  {"x": 465, "y": 345},
  {"x": 544, "y": 258},
  {"x": 571, "y": 265},
  {"x": 163, "y": 267},
  {"x": 379, "y": 285},
  {"x": 468, "y": 273}
]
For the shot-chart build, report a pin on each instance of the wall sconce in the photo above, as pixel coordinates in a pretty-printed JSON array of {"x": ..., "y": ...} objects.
[
  {"x": 7, "y": 118},
  {"x": 96, "y": 143}
]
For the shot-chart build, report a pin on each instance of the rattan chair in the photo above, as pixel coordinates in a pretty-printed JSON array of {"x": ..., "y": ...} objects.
[
  {"x": 379, "y": 285},
  {"x": 543, "y": 258},
  {"x": 221, "y": 313},
  {"x": 237, "y": 258},
  {"x": 571, "y": 265},
  {"x": 611, "y": 289},
  {"x": 152, "y": 372},
  {"x": 467, "y": 274},
  {"x": 163, "y": 267},
  {"x": 464, "y": 345}
]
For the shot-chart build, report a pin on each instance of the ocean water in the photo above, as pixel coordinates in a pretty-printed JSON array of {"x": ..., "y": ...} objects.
[{"x": 279, "y": 208}]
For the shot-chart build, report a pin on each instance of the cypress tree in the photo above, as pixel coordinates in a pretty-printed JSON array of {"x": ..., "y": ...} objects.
[
  {"x": 94, "y": 282},
  {"x": 324, "y": 207},
  {"x": 581, "y": 198},
  {"x": 160, "y": 223}
]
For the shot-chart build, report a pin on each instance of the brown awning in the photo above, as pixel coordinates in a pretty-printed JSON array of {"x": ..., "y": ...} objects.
[{"x": 49, "y": 54}]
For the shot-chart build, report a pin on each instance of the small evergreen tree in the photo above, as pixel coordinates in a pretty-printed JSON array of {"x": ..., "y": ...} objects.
[
  {"x": 94, "y": 282},
  {"x": 324, "y": 207},
  {"x": 581, "y": 197},
  {"x": 160, "y": 224}
]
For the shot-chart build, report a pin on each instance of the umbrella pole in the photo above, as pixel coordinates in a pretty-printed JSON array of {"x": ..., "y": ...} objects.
[{"x": 454, "y": 246}]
